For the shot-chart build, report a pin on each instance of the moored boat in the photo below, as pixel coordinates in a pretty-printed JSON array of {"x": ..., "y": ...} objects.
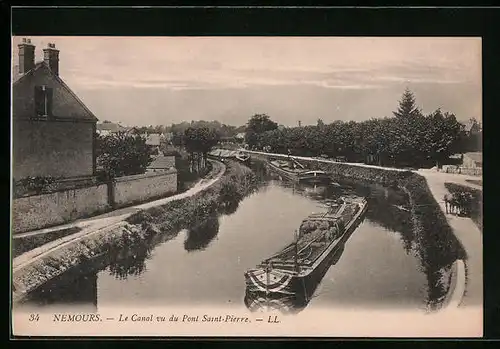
[
  {"x": 223, "y": 154},
  {"x": 295, "y": 171},
  {"x": 242, "y": 157},
  {"x": 315, "y": 176},
  {"x": 320, "y": 237}
]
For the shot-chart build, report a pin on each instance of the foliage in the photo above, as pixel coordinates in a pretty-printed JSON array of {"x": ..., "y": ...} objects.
[
  {"x": 472, "y": 140},
  {"x": 34, "y": 186},
  {"x": 199, "y": 142},
  {"x": 408, "y": 139},
  {"x": 257, "y": 125},
  {"x": 120, "y": 154},
  {"x": 470, "y": 199},
  {"x": 407, "y": 106}
]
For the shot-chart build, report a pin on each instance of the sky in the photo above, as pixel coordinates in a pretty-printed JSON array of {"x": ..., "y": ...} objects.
[{"x": 162, "y": 80}]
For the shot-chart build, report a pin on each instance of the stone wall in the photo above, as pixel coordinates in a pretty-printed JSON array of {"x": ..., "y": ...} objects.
[
  {"x": 41, "y": 211},
  {"x": 144, "y": 187}
]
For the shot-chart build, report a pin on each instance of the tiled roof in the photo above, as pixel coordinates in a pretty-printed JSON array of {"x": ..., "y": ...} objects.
[
  {"x": 163, "y": 162},
  {"x": 153, "y": 139},
  {"x": 16, "y": 77},
  {"x": 15, "y": 71},
  {"x": 110, "y": 127}
]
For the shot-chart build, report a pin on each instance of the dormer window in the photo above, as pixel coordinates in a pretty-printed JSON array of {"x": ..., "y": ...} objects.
[{"x": 43, "y": 101}]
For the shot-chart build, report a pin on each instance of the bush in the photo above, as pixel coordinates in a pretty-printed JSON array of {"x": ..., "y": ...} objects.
[
  {"x": 469, "y": 199},
  {"x": 34, "y": 186}
]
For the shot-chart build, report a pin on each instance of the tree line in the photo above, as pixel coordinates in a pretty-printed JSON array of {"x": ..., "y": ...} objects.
[
  {"x": 179, "y": 129},
  {"x": 409, "y": 138}
]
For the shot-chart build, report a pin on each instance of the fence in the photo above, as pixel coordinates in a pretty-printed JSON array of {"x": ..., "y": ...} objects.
[
  {"x": 463, "y": 170},
  {"x": 62, "y": 206}
]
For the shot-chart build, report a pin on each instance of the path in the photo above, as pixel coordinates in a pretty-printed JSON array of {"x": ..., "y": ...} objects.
[
  {"x": 97, "y": 223},
  {"x": 466, "y": 231}
]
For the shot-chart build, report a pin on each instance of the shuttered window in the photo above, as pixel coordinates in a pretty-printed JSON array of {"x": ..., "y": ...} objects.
[{"x": 43, "y": 101}]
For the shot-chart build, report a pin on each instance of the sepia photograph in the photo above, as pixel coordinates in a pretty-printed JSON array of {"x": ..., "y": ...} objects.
[{"x": 246, "y": 186}]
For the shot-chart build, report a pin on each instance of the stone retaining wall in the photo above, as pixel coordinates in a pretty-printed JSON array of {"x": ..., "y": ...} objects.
[{"x": 63, "y": 206}]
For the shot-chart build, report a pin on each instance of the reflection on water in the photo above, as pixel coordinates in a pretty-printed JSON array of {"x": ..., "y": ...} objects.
[
  {"x": 291, "y": 303},
  {"x": 199, "y": 237},
  {"x": 383, "y": 262},
  {"x": 76, "y": 287}
]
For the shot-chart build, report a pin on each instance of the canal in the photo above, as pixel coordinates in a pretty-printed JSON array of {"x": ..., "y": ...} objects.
[{"x": 382, "y": 264}]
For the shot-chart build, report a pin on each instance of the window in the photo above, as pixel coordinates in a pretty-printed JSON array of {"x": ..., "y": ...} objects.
[{"x": 43, "y": 101}]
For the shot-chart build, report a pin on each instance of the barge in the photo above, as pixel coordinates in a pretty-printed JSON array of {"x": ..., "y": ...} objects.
[
  {"x": 298, "y": 267},
  {"x": 224, "y": 154},
  {"x": 294, "y": 171}
]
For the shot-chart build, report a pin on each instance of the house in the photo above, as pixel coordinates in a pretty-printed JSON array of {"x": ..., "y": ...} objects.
[
  {"x": 133, "y": 131},
  {"x": 106, "y": 128},
  {"x": 53, "y": 131},
  {"x": 162, "y": 163},
  {"x": 472, "y": 127},
  {"x": 154, "y": 140},
  {"x": 240, "y": 136},
  {"x": 473, "y": 160}
]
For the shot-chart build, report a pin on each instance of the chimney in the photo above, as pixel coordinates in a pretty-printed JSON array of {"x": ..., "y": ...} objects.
[
  {"x": 26, "y": 56},
  {"x": 51, "y": 58}
]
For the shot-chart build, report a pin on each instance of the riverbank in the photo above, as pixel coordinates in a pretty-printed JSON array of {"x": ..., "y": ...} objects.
[
  {"x": 148, "y": 221},
  {"x": 430, "y": 225}
]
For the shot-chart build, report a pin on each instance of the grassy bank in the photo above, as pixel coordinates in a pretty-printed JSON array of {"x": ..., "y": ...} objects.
[
  {"x": 21, "y": 245},
  {"x": 237, "y": 182},
  {"x": 127, "y": 244}
]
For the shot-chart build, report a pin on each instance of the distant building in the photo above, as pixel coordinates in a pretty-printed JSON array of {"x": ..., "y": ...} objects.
[
  {"x": 153, "y": 139},
  {"x": 162, "y": 163},
  {"x": 240, "y": 136},
  {"x": 473, "y": 160},
  {"x": 472, "y": 128},
  {"x": 133, "y": 131},
  {"x": 107, "y": 128},
  {"x": 53, "y": 130}
]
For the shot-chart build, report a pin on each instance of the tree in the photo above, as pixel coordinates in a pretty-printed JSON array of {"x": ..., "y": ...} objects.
[
  {"x": 407, "y": 106},
  {"x": 178, "y": 139},
  {"x": 257, "y": 125},
  {"x": 472, "y": 136},
  {"x": 442, "y": 134},
  {"x": 320, "y": 123},
  {"x": 199, "y": 142},
  {"x": 121, "y": 154}
]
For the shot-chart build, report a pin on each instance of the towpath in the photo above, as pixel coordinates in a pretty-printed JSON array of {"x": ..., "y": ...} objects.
[
  {"x": 466, "y": 231},
  {"x": 93, "y": 224}
]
